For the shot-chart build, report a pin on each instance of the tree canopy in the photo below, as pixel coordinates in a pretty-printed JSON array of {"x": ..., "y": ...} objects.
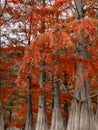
[{"x": 48, "y": 64}]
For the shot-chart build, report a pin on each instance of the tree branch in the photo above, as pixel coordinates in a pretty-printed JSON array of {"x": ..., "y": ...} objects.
[
  {"x": 66, "y": 89},
  {"x": 95, "y": 95}
]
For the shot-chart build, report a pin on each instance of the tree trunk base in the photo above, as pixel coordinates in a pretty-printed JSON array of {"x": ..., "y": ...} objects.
[
  {"x": 81, "y": 117},
  {"x": 57, "y": 120},
  {"x": 41, "y": 119}
]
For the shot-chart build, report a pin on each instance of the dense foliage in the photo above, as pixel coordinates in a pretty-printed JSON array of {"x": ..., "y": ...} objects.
[{"x": 48, "y": 62}]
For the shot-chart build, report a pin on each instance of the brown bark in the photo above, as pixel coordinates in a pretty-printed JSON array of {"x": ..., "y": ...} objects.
[{"x": 29, "y": 118}]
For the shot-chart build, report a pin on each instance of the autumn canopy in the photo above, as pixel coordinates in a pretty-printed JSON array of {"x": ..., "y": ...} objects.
[{"x": 49, "y": 65}]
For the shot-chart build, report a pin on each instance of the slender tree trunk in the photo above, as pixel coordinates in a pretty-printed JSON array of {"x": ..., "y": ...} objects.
[
  {"x": 65, "y": 118},
  {"x": 53, "y": 90},
  {"x": 1, "y": 117},
  {"x": 29, "y": 118},
  {"x": 41, "y": 118},
  {"x": 1, "y": 113},
  {"x": 66, "y": 103},
  {"x": 10, "y": 118},
  {"x": 81, "y": 115}
]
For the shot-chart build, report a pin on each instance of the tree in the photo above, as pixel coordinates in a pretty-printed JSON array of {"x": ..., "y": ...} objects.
[
  {"x": 29, "y": 119},
  {"x": 76, "y": 38},
  {"x": 81, "y": 111},
  {"x": 63, "y": 40},
  {"x": 1, "y": 111},
  {"x": 42, "y": 119}
]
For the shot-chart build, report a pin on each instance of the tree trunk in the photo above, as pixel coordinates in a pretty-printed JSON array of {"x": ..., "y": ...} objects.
[
  {"x": 65, "y": 118},
  {"x": 29, "y": 118},
  {"x": 1, "y": 117},
  {"x": 57, "y": 120},
  {"x": 41, "y": 119},
  {"x": 14, "y": 128},
  {"x": 1, "y": 112},
  {"x": 10, "y": 118},
  {"x": 81, "y": 115}
]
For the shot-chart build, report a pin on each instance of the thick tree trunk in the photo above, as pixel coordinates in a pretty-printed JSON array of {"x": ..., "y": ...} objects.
[
  {"x": 41, "y": 119},
  {"x": 29, "y": 118},
  {"x": 14, "y": 128},
  {"x": 1, "y": 117},
  {"x": 57, "y": 120},
  {"x": 81, "y": 115}
]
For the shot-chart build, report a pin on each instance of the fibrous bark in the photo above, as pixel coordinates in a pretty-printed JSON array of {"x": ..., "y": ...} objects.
[
  {"x": 81, "y": 115},
  {"x": 14, "y": 128},
  {"x": 41, "y": 118},
  {"x": 29, "y": 118},
  {"x": 57, "y": 120}
]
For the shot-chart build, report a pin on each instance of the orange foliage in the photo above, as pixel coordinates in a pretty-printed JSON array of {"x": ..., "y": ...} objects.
[{"x": 55, "y": 33}]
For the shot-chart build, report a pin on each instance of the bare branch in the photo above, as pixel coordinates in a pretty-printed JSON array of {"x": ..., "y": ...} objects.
[
  {"x": 95, "y": 95},
  {"x": 66, "y": 90}
]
